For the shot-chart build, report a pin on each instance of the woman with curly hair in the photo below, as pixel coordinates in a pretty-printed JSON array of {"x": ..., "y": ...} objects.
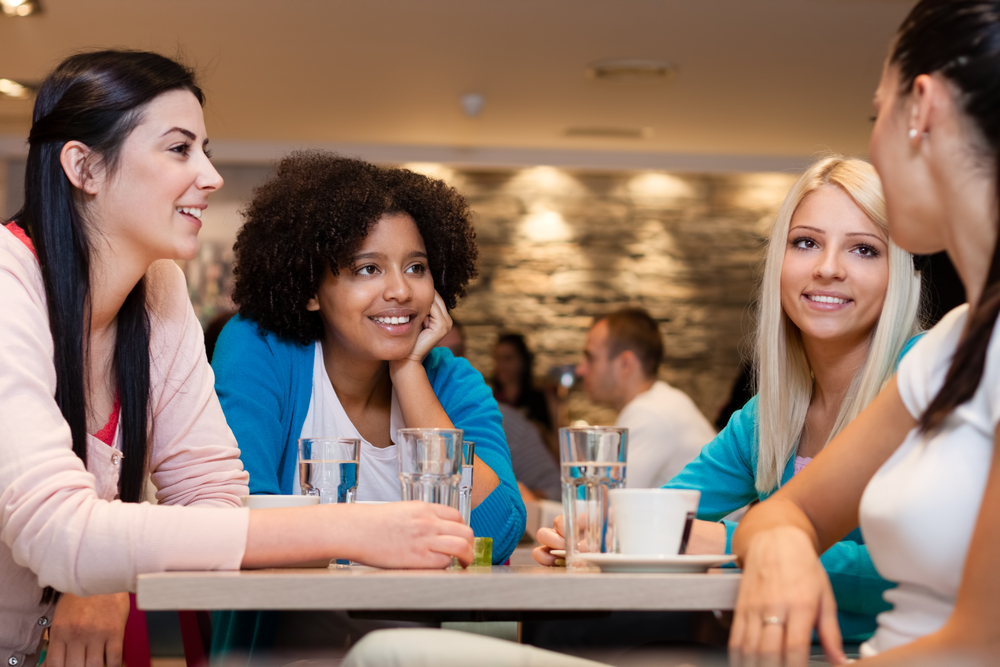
[{"x": 345, "y": 272}]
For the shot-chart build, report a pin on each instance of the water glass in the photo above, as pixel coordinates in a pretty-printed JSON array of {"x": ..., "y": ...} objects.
[
  {"x": 328, "y": 468},
  {"x": 593, "y": 463},
  {"x": 465, "y": 486},
  {"x": 430, "y": 464}
]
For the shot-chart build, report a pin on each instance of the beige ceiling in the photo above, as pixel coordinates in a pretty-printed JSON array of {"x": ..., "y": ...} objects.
[{"x": 781, "y": 78}]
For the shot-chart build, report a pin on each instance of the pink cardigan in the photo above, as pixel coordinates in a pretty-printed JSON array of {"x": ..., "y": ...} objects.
[{"x": 60, "y": 524}]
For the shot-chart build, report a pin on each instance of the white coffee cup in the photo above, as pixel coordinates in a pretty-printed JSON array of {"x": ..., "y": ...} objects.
[
  {"x": 651, "y": 522},
  {"x": 266, "y": 501}
]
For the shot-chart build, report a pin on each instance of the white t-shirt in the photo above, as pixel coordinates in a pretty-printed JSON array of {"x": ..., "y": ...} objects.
[
  {"x": 919, "y": 510},
  {"x": 666, "y": 431},
  {"x": 378, "y": 470}
]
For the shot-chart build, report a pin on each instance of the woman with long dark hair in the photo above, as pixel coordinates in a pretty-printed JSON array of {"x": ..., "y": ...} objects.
[
  {"x": 919, "y": 465},
  {"x": 514, "y": 381},
  {"x": 103, "y": 378}
]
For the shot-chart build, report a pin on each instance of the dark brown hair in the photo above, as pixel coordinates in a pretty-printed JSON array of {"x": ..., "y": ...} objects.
[
  {"x": 635, "y": 330},
  {"x": 960, "y": 40},
  {"x": 316, "y": 211}
]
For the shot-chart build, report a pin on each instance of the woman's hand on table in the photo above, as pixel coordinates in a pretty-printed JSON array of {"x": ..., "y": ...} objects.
[
  {"x": 411, "y": 534},
  {"x": 706, "y": 538},
  {"x": 784, "y": 594},
  {"x": 88, "y": 631},
  {"x": 549, "y": 538}
]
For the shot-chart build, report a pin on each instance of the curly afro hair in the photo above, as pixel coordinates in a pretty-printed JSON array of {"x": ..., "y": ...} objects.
[{"x": 316, "y": 211}]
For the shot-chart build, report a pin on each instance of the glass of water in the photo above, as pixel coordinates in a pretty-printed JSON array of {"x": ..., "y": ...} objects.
[
  {"x": 465, "y": 486},
  {"x": 430, "y": 464},
  {"x": 328, "y": 468},
  {"x": 593, "y": 462}
]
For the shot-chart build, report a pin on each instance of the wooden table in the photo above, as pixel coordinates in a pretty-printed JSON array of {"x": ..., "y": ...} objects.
[{"x": 511, "y": 588}]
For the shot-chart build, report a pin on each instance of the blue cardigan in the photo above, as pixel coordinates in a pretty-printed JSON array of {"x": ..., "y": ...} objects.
[
  {"x": 264, "y": 383},
  {"x": 725, "y": 472}
]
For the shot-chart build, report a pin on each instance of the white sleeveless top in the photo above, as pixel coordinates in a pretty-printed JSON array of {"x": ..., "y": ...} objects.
[
  {"x": 378, "y": 470},
  {"x": 919, "y": 510}
]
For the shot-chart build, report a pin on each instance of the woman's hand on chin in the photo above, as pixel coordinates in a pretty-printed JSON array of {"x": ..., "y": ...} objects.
[
  {"x": 436, "y": 325},
  {"x": 411, "y": 534}
]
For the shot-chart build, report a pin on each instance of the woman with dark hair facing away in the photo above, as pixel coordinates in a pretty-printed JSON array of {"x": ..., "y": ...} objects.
[
  {"x": 514, "y": 383},
  {"x": 103, "y": 378},
  {"x": 919, "y": 467},
  {"x": 345, "y": 272}
]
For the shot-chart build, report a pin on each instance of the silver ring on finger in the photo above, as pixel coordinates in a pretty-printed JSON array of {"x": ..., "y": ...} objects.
[{"x": 773, "y": 620}]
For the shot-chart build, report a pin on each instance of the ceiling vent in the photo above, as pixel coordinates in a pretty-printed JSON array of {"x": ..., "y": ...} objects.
[
  {"x": 631, "y": 70},
  {"x": 609, "y": 132}
]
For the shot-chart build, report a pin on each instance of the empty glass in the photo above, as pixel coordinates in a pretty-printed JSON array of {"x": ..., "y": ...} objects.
[
  {"x": 465, "y": 486},
  {"x": 592, "y": 462},
  {"x": 328, "y": 468},
  {"x": 430, "y": 464}
]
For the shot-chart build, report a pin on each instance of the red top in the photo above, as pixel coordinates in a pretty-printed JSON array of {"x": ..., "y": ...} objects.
[{"x": 106, "y": 434}]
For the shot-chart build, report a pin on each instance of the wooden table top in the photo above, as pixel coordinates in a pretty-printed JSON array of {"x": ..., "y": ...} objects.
[{"x": 511, "y": 588}]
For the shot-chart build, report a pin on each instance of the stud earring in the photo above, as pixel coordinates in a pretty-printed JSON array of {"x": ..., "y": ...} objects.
[{"x": 913, "y": 133}]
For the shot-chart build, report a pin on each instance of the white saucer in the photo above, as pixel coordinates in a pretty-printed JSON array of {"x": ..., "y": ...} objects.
[{"x": 628, "y": 563}]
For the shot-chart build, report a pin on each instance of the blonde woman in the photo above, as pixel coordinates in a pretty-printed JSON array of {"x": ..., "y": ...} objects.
[{"x": 838, "y": 308}]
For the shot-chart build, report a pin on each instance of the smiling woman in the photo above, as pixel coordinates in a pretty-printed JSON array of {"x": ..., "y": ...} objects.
[
  {"x": 344, "y": 275},
  {"x": 104, "y": 381}
]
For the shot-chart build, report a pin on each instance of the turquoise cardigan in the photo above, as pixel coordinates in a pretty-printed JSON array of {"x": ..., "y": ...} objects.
[
  {"x": 725, "y": 473},
  {"x": 264, "y": 383}
]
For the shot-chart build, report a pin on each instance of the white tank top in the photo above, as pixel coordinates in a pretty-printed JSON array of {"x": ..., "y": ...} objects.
[{"x": 378, "y": 471}]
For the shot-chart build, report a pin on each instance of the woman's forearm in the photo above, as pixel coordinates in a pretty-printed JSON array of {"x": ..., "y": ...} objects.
[
  {"x": 422, "y": 409},
  {"x": 776, "y": 512}
]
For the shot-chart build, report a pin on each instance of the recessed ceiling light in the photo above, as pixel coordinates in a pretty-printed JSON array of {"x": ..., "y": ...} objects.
[
  {"x": 598, "y": 132},
  {"x": 631, "y": 69},
  {"x": 20, "y": 7},
  {"x": 19, "y": 91}
]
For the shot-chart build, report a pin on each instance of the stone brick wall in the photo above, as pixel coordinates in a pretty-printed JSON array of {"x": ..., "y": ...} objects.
[{"x": 559, "y": 247}]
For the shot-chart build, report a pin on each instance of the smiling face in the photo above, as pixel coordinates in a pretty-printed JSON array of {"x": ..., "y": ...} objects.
[
  {"x": 912, "y": 210},
  {"x": 835, "y": 270},
  {"x": 151, "y": 205},
  {"x": 375, "y": 307}
]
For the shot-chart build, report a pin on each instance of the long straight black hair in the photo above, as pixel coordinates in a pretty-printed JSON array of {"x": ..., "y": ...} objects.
[
  {"x": 960, "y": 40},
  {"x": 95, "y": 98}
]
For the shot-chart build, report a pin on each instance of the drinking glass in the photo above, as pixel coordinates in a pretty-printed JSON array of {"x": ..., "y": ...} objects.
[
  {"x": 328, "y": 468},
  {"x": 465, "y": 486},
  {"x": 593, "y": 462},
  {"x": 430, "y": 464}
]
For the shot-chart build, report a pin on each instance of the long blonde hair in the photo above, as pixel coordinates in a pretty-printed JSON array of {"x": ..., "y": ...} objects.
[{"x": 785, "y": 381}]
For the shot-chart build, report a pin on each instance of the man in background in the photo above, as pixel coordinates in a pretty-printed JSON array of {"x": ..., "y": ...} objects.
[{"x": 621, "y": 359}]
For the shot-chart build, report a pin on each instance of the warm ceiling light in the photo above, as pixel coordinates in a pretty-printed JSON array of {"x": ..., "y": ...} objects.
[
  {"x": 20, "y": 7},
  {"x": 631, "y": 69},
  {"x": 14, "y": 89}
]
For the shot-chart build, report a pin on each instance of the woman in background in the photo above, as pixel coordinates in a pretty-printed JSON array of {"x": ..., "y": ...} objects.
[
  {"x": 918, "y": 468},
  {"x": 838, "y": 307},
  {"x": 514, "y": 384}
]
